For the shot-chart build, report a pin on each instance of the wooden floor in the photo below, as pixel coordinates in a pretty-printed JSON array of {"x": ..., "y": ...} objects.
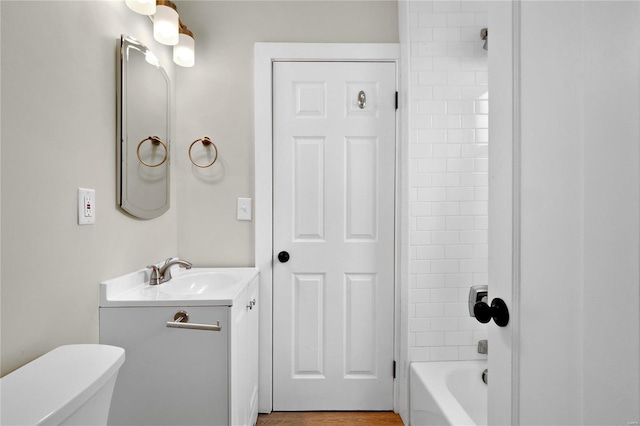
[{"x": 369, "y": 418}]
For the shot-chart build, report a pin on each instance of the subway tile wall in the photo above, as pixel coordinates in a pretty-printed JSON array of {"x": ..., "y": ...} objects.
[{"x": 448, "y": 182}]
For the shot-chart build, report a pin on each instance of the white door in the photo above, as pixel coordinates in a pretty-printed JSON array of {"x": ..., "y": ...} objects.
[
  {"x": 333, "y": 210},
  {"x": 567, "y": 139}
]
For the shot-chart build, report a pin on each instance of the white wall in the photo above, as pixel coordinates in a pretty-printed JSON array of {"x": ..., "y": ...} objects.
[
  {"x": 448, "y": 141},
  {"x": 58, "y": 134},
  {"x": 216, "y": 99}
]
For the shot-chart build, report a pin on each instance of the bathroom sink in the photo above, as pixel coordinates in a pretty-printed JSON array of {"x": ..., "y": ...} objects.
[
  {"x": 193, "y": 287},
  {"x": 197, "y": 284}
]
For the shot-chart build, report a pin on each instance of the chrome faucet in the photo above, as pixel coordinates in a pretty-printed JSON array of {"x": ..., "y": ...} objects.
[
  {"x": 163, "y": 274},
  {"x": 483, "y": 347}
]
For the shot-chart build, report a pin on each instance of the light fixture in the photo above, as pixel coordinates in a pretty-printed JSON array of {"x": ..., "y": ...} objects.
[
  {"x": 165, "y": 23},
  {"x": 143, "y": 7},
  {"x": 168, "y": 29},
  {"x": 184, "y": 51}
]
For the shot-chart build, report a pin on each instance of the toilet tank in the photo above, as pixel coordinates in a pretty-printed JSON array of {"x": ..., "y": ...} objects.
[{"x": 71, "y": 385}]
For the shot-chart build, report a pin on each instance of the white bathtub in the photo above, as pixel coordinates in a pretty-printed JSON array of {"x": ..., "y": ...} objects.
[{"x": 448, "y": 393}]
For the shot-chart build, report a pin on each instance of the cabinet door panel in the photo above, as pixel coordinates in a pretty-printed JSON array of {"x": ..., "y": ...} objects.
[{"x": 170, "y": 376}]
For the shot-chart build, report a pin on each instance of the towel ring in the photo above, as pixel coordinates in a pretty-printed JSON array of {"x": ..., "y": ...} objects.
[
  {"x": 206, "y": 142},
  {"x": 156, "y": 141}
]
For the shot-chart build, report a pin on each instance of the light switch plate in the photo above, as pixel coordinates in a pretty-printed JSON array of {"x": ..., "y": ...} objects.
[
  {"x": 86, "y": 206},
  {"x": 244, "y": 209}
]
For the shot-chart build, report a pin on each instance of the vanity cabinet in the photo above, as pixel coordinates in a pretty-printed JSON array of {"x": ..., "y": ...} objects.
[{"x": 179, "y": 376}]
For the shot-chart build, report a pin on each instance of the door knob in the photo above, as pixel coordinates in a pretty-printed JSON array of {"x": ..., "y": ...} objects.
[
  {"x": 498, "y": 311},
  {"x": 283, "y": 257}
]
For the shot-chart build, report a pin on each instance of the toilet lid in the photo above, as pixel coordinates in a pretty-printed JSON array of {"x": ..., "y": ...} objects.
[{"x": 51, "y": 388}]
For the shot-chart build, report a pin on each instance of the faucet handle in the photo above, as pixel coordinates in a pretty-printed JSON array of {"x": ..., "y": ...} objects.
[{"x": 153, "y": 277}]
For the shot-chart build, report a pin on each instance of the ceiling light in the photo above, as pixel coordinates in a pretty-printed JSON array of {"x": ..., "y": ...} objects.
[{"x": 165, "y": 23}]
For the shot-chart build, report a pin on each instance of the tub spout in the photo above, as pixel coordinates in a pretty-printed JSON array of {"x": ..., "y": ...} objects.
[{"x": 483, "y": 347}]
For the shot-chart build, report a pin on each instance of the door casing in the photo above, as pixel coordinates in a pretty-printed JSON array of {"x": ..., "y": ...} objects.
[{"x": 264, "y": 56}]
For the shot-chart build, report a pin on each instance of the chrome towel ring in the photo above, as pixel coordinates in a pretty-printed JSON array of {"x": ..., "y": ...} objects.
[
  {"x": 155, "y": 141},
  {"x": 205, "y": 142}
]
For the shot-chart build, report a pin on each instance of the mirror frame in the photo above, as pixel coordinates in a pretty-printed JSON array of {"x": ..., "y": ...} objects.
[{"x": 127, "y": 43}]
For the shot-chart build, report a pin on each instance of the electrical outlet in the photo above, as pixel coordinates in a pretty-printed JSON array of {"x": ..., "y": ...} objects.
[{"x": 86, "y": 206}]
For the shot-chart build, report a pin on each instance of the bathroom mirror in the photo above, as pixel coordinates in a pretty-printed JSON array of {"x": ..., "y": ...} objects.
[{"x": 143, "y": 132}]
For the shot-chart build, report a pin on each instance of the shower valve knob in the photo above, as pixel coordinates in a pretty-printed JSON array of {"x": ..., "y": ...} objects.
[{"x": 498, "y": 311}]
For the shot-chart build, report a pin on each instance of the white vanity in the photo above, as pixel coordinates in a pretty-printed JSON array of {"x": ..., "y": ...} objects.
[{"x": 191, "y": 346}]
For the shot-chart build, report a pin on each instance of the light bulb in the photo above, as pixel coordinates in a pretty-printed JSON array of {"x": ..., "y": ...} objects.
[
  {"x": 184, "y": 51},
  {"x": 143, "y": 7},
  {"x": 165, "y": 23}
]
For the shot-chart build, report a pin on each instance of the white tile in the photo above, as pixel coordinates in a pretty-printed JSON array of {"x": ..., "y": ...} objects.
[
  {"x": 420, "y": 34},
  {"x": 419, "y": 354},
  {"x": 432, "y": 78},
  {"x": 448, "y": 121},
  {"x": 429, "y": 310},
  {"x": 432, "y": 165},
  {"x": 460, "y": 165},
  {"x": 445, "y": 208},
  {"x": 480, "y": 278},
  {"x": 460, "y": 222},
  {"x": 474, "y": 208},
  {"x": 474, "y": 179},
  {"x": 430, "y": 252},
  {"x": 444, "y": 353},
  {"x": 459, "y": 194},
  {"x": 469, "y": 353},
  {"x": 446, "y": 34},
  {"x": 473, "y": 237},
  {"x": 481, "y": 193},
  {"x": 474, "y": 6},
  {"x": 445, "y": 266},
  {"x": 459, "y": 280},
  {"x": 447, "y": 64},
  {"x": 430, "y": 280},
  {"x": 419, "y": 150},
  {"x": 420, "y": 209},
  {"x": 432, "y": 107},
  {"x": 456, "y": 251},
  {"x": 444, "y": 294},
  {"x": 420, "y": 63},
  {"x": 446, "y": 6},
  {"x": 445, "y": 323},
  {"x": 432, "y": 48},
  {"x": 473, "y": 265},
  {"x": 433, "y": 20},
  {"x": 462, "y": 48},
  {"x": 447, "y": 92},
  {"x": 458, "y": 338},
  {"x": 419, "y": 324},
  {"x": 456, "y": 309},
  {"x": 446, "y": 237},
  {"x": 445, "y": 179},
  {"x": 430, "y": 338},
  {"x": 464, "y": 136},
  {"x": 420, "y": 238},
  {"x": 432, "y": 136},
  {"x": 461, "y": 107},
  {"x": 432, "y": 194},
  {"x": 475, "y": 121},
  {"x": 430, "y": 224},
  {"x": 481, "y": 222},
  {"x": 475, "y": 150},
  {"x": 467, "y": 19},
  {"x": 420, "y": 266},
  {"x": 419, "y": 296}
]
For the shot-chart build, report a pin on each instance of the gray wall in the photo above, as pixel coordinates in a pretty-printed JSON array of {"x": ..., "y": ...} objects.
[
  {"x": 58, "y": 133},
  {"x": 216, "y": 99}
]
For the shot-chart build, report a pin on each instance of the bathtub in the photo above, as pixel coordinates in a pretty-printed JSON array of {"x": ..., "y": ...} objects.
[{"x": 448, "y": 393}]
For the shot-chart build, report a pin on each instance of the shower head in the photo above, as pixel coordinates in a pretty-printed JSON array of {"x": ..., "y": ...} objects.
[{"x": 484, "y": 35}]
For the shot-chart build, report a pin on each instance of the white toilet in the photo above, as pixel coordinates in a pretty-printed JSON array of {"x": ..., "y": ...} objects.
[{"x": 71, "y": 385}]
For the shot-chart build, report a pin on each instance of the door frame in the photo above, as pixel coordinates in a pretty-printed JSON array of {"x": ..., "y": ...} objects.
[{"x": 264, "y": 56}]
